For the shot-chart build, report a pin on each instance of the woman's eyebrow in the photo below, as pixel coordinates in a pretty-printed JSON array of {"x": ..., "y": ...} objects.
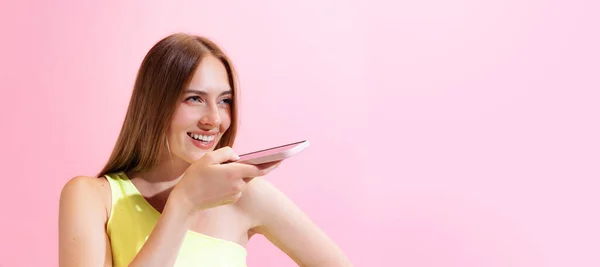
[{"x": 203, "y": 93}]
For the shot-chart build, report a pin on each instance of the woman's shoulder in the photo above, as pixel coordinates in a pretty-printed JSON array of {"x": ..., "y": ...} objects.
[
  {"x": 261, "y": 200},
  {"x": 258, "y": 191},
  {"x": 87, "y": 190},
  {"x": 86, "y": 185},
  {"x": 86, "y": 182}
]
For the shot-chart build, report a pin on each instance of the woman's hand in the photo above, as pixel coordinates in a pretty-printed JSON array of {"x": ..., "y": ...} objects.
[{"x": 215, "y": 180}]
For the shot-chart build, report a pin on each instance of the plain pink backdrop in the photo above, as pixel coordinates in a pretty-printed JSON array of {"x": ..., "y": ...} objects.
[{"x": 444, "y": 133}]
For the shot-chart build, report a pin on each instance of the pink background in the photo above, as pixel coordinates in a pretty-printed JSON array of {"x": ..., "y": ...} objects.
[{"x": 444, "y": 133}]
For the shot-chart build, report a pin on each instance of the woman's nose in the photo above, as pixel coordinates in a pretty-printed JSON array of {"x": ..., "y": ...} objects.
[{"x": 211, "y": 117}]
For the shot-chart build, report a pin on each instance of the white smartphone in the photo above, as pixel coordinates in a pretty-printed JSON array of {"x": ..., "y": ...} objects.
[{"x": 273, "y": 154}]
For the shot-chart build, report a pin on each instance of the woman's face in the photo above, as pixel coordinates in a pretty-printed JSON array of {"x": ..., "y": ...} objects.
[{"x": 203, "y": 114}]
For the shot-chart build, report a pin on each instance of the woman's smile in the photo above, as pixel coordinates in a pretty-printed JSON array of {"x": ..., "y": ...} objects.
[{"x": 202, "y": 140}]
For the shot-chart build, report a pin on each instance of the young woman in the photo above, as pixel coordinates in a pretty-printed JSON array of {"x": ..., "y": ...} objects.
[{"x": 165, "y": 198}]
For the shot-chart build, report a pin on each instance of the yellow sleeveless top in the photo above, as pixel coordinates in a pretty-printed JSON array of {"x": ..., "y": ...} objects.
[{"x": 132, "y": 219}]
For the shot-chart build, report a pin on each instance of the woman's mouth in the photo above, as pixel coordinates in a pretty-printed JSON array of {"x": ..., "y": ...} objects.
[{"x": 202, "y": 141}]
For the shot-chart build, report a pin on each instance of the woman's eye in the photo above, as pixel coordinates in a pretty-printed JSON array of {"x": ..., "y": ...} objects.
[
  {"x": 226, "y": 101},
  {"x": 193, "y": 99},
  {"x": 198, "y": 99}
]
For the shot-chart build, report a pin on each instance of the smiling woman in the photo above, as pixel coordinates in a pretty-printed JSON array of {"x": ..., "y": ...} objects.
[{"x": 164, "y": 197}]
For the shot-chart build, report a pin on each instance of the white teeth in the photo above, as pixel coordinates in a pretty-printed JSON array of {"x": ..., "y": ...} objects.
[{"x": 205, "y": 138}]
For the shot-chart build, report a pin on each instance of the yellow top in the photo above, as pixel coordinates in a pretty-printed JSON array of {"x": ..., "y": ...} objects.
[{"x": 132, "y": 219}]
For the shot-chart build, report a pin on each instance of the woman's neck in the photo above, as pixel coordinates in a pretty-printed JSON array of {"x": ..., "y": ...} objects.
[
  {"x": 166, "y": 172},
  {"x": 157, "y": 183}
]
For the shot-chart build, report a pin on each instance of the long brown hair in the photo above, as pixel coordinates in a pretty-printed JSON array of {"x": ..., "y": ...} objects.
[{"x": 160, "y": 83}]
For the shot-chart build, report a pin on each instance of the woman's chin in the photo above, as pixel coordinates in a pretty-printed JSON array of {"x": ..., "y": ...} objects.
[{"x": 196, "y": 155}]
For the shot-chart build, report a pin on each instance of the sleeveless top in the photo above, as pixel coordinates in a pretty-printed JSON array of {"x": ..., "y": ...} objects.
[{"x": 132, "y": 219}]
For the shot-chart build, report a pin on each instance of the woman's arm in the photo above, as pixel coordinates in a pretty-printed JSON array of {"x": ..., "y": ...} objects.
[
  {"x": 82, "y": 235},
  {"x": 286, "y": 226},
  {"x": 82, "y": 216}
]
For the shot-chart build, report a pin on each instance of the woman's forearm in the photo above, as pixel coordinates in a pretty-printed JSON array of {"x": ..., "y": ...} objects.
[{"x": 163, "y": 244}]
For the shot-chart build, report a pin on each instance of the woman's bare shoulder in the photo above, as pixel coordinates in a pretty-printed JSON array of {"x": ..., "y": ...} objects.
[
  {"x": 282, "y": 222},
  {"x": 82, "y": 222},
  {"x": 88, "y": 190},
  {"x": 259, "y": 198}
]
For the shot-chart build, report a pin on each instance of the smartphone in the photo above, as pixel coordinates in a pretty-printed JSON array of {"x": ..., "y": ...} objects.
[{"x": 273, "y": 154}]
